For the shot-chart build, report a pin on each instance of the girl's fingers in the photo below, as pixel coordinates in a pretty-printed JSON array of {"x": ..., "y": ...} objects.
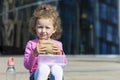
[
  {"x": 56, "y": 49},
  {"x": 41, "y": 49}
]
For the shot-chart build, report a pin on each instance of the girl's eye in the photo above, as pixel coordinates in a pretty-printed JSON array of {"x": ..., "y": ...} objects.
[
  {"x": 39, "y": 26},
  {"x": 47, "y": 27}
]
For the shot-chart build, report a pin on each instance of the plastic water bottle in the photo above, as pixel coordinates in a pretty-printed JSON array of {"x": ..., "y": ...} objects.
[{"x": 11, "y": 72}]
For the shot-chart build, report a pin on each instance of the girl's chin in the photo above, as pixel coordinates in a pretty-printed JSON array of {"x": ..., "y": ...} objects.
[{"x": 43, "y": 38}]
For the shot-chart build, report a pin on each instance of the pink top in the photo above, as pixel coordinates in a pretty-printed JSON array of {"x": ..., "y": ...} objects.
[{"x": 30, "y": 62}]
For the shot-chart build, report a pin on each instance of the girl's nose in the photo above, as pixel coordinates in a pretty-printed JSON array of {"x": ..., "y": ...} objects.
[{"x": 43, "y": 30}]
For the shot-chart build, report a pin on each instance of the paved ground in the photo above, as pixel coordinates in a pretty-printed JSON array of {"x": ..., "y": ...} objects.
[{"x": 78, "y": 68}]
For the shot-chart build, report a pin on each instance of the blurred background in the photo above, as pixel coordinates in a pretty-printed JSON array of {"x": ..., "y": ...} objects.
[{"x": 90, "y": 27}]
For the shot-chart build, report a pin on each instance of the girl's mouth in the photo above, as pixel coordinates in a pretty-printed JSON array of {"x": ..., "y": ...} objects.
[{"x": 44, "y": 36}]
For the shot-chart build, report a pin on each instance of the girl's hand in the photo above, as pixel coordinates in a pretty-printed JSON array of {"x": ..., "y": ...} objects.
[
  {"x": 56, "y": 49},
  {"x": 40, "y": 49}
]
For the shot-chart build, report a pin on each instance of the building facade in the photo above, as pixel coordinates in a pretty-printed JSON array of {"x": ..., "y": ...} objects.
[{"x": 90, "y": 27}]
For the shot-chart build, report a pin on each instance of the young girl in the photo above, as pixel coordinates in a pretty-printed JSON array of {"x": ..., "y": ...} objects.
[{"x": 45, "y": 24}]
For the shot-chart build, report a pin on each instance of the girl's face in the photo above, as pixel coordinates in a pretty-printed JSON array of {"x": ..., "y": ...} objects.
[{"x": 44, "y": 28}]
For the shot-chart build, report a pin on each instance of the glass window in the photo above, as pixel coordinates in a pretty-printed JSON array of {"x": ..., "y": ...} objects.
[
  {"x": 1, "y": 6},
  {"x": 103, "y": 30},
  {"x": 18, "y": 3},
  {"x": 70, "y": 2},
  {"x": 109, "y": 1},
  {"x": 22, "y": 14},
  {"x": 109, "y": 33},
  {"x": 97, "y": 27},
  {"x": 109, "y": 49},
  {"x": 103, "y": 11},
  {"x": 113, "y": 50},
  {"x": 103, "y": 48},
  {"x": 91, "y": 2},
  {"x": 114, "y": 15},
  {"x": 91, "y": 16},
  {"x": 115, "y": 2},
  {"x": 115, "y": 36}
]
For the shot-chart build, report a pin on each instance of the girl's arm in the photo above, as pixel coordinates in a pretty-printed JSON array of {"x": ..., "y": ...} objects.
[
  {"x": 57, "y": 48},
  {"x": 28, "y": 56}
]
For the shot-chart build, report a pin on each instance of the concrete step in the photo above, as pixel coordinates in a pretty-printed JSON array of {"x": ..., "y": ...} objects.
[{"x": 78, "y": 68}]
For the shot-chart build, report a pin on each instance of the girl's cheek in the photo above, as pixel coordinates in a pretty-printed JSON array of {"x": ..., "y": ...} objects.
[{"x": 39, "y": 30}]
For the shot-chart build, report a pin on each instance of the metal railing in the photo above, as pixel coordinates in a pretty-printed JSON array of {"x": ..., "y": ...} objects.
[{"x": 29, "y": 5}]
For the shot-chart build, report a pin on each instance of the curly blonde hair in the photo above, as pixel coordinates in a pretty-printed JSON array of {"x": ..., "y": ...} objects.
[{"x": 46, "y": 11}]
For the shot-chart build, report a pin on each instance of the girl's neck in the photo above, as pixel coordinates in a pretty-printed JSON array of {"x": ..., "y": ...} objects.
[{"x": 45, "y": 39}]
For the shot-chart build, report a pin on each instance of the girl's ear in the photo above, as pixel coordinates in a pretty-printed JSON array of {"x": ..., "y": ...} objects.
[{"x": 54, "y": 31}]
